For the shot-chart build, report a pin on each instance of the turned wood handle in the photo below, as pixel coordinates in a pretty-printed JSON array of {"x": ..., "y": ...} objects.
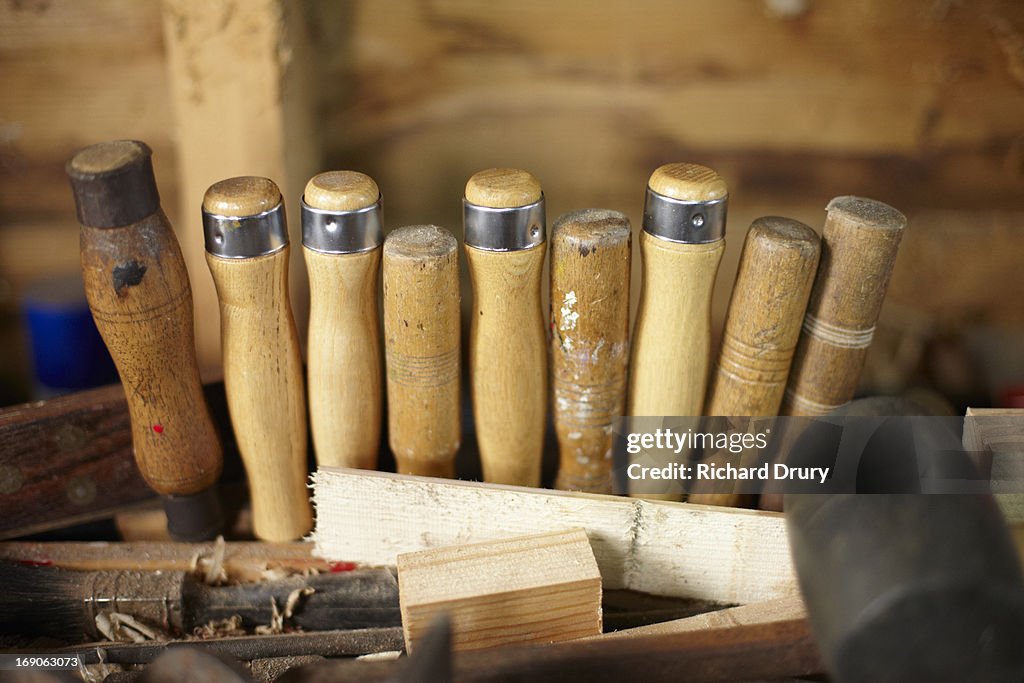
[
  {"x": 681, "y": 247},
  {"x": 590, "y": 260},
  {"x": 507, "y": 346},
  {"x": 341, "y": 243},
  {"x": 777, "y": 267},
  {"x": 859, "y": 245},
  {"x": 422, "y": 343},
  {"x": 139, "y": 294},
  {"x": 247, "y": 252}
]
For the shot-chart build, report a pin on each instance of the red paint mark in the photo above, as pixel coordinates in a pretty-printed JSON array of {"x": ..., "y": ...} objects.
[
  {"x": 337, "y": 567},
  {"x": 159, "y": 429},
  {"x": 36, "y": 563}
]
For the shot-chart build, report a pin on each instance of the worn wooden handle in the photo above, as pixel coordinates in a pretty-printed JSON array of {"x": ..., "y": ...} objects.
[
  {"x": 139, "y": 294},
  {"x": 777, "y": 267},
  {"x": 859, "y": 245},
  {"x": 508, "y": 362},
  {"x": 422, "y": 343},
  {"x": 263, "y": 381},
  {"x": 344, "y": 346},
  {"x": 672, "y": 336},
  {"x": 590, "y": 260}
]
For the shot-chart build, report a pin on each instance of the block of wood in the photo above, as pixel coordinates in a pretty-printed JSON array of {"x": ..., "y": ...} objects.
[{"x": 542, "y": 588}]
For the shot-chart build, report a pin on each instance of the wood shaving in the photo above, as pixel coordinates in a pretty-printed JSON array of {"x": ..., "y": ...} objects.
[
  {"x": 381, "y": 656},
  {"x": 222, "y": 628},
  {"x": 278, "y": 617},
  {"x": 124, "y": 628}
]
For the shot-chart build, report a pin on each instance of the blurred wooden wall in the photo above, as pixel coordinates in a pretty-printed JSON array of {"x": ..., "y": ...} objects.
[{"x": 919, "y": 103}]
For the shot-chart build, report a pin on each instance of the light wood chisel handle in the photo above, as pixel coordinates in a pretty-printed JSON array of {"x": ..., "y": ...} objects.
[
  {"x": 139, "y": 294},
  {"x": 681, "y": 246},
  {"x": 342, "y": 235},
  {"x": 590, "y": 260},
  {"x": 247, "y": 251},
  {"x": 422, "y": 341},
  {"x": 859, "y": 245},
  {"x": 503, "y": 214}
]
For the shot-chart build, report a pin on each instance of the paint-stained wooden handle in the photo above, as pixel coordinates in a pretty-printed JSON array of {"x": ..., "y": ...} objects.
[
  {"x": 262, "y": 364},
  {"x": 139, "y": 294},
  {"x": 590, "y": 260},
  {"x": 422, "y": 343},
  {"x": 777, "y": 267},
  {"x": 672, "y": 336},
  {"x": 859, "y": 244},
  {"x": 344, "y": 347}
]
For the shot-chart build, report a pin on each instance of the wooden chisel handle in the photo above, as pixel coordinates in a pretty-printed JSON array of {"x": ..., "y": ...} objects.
[
  {"x": 422, "y": 341},
  {"x": 342, "y": 235},
  {"x": 681, "y": 247},
  {"x": 590, "y": 260},
  {"x": 247, "y": 252},
  {"x": 859, "y": 245},
  {"x": 139, "y": 294},
  {"x": 505, "y": 247},
  {"x": 777, "y": 267}
]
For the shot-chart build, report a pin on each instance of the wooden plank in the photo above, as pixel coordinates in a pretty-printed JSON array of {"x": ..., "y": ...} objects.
[
  {"x": 241, "y": 78},
  {"x": 542, "y": 588},
  {"x": 70, "y": 460},
  {"x": 676, "y": 549},
  {"x": 995, "y": 438}
]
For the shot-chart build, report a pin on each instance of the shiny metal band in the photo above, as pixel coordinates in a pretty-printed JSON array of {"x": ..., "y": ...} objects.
[
  {"x": 503, "y": 229},
  {"x": 342, "y": 232},
  {"x": 246, "y": 236},
  {"x": 682, "y": 221}
]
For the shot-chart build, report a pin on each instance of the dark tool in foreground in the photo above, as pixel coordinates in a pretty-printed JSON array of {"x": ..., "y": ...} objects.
[
  {"x": 590, "y": 259},
  {"x": 139, "y": 293},
  {"x": 342, "y": 235},
  {"x": 64, "y": 604},
  {"x": 503, "y": 216},
  {"x": 247, "y": 252},
  {"x": 907, "y": 587}
]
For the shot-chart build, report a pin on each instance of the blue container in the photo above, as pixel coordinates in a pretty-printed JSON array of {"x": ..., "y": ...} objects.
[{"x": 67, "y": 351}]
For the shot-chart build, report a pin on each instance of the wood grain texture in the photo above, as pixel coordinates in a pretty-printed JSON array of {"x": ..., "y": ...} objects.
[
  {"x": 553, "y": 595},
  {"x": 422, "y": 339},
  {"x": 263, "y": 381},
  {"x": 662, "y": 548},
  {"x": 590, "y": 260},
  {"x": 341, "y": 191},
  {"x": 502, "y": 188},
  {"x": 139, "y": 294},
  {"x": 242, "y": 84},
  {"x": 671, "y": 337},
  {"x": 994, "y": 438},
  {"x": 688, "y": 182},
  {"x": 776, "y": 272},
  {"x": 344, "y": 357},
  {"x": 859, "y": 244},
  {"x": 508, "y": 362}
]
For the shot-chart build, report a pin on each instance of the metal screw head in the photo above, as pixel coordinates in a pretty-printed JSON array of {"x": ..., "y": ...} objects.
[{"x": 697, "y": 220}]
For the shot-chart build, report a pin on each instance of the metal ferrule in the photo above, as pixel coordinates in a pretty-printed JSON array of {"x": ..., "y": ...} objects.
[
  {"x": 342, "y": 232},
  {"x": 246, "y": 236},
  {"x": 503, "y": 229},
  {"x": 682, "y": 221}
]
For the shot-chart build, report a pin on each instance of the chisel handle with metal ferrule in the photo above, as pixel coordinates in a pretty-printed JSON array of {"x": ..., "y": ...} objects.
[
  {"x": 342, "y": 235},
  {"x": 247, "y": 251},
  {"x": 590, "y": 259},
  {"x": 503, "y": 215},
  {"x": 859, "y": 245},
  {"x": 422, "y": 340},
  {"x": 681, "y": 247},
  {"x": 140, "y": 297}
]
